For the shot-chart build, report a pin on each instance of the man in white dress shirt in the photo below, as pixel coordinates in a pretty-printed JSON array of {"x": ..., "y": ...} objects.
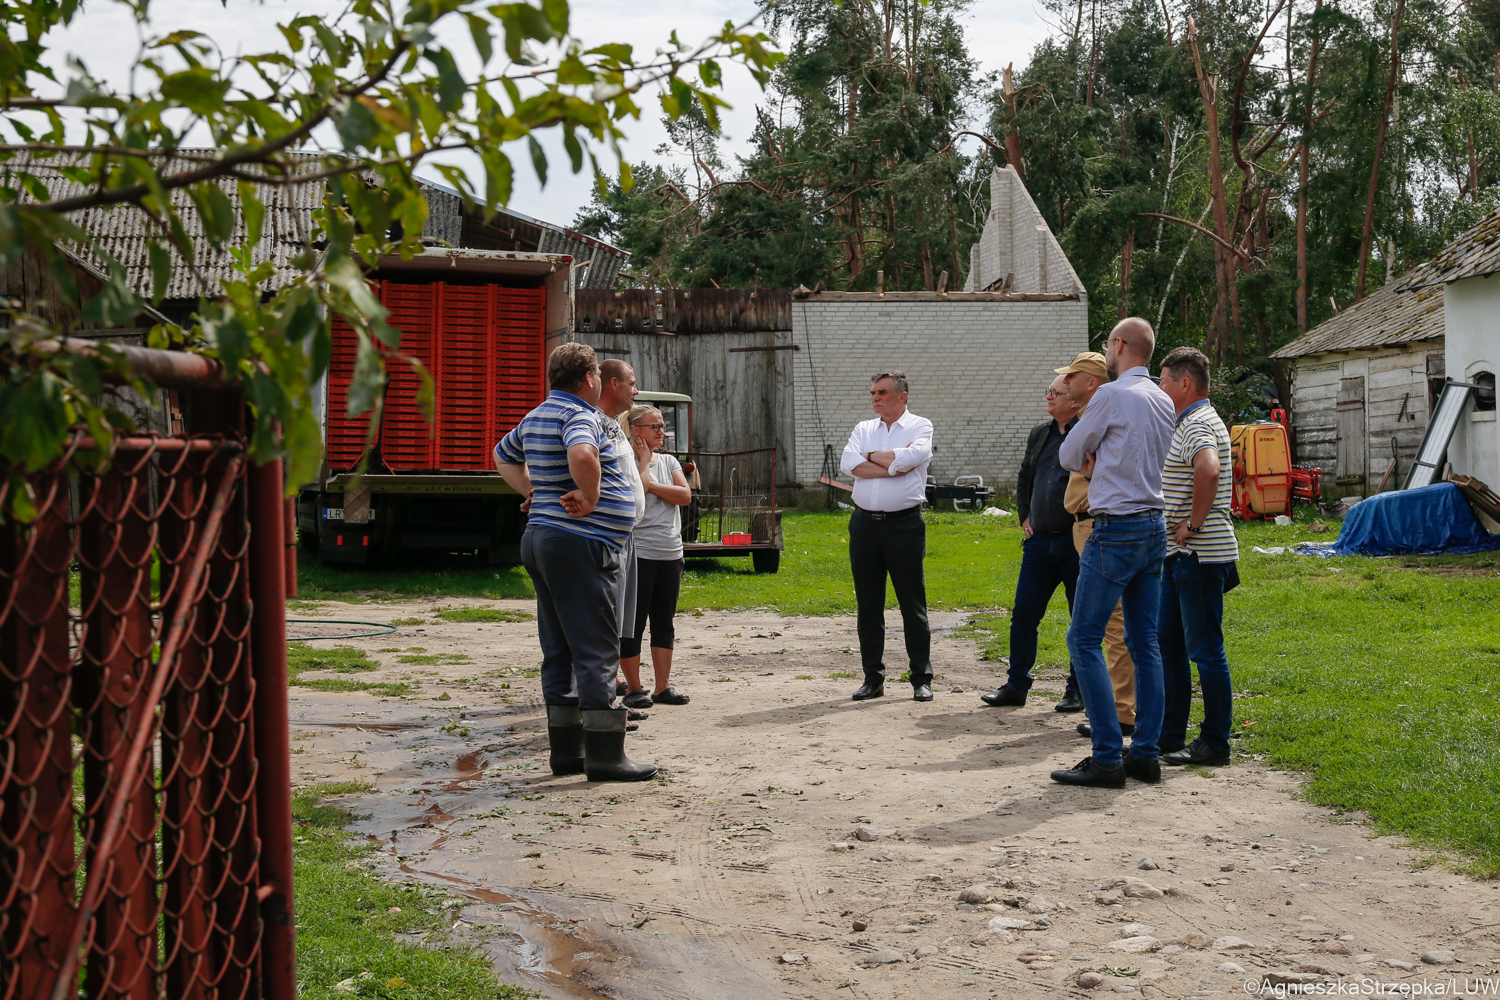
[{"x": 888, "y": 458}]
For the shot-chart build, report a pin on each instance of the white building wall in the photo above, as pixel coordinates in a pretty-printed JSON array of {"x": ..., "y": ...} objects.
[
  {"x": 978, "y": 370},
  {"x": 1471, "y": 322},
  {"x": 1016, "y": 241}
]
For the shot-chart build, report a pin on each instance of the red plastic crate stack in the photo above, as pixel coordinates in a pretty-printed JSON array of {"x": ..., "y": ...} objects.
[
  {"x": 345, "y": 438},
  {"x": 406, "y": 439},
  {"x": 483, "y": 345}
]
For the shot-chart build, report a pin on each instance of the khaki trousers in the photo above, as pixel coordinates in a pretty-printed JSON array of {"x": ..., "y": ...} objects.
[{"x": 1116, "y": 655}]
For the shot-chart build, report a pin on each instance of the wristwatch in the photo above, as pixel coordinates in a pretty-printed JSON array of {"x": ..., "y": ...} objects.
[{"x": 1192, "y": 530}]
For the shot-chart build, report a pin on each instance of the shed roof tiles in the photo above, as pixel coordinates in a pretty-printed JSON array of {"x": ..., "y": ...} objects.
[{"x": 1384, "y": 319}]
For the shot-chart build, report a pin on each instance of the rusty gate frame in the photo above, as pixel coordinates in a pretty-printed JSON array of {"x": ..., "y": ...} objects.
[{"x": 52, "y": 734}]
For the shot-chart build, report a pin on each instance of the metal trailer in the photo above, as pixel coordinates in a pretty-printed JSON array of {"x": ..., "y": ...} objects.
[
  {"x": 734, "y": 510},
  {"x": 482, "y": 322}
]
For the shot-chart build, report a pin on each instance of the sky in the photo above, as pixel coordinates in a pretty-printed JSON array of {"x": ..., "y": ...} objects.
[{"x": 104, "y": 38}]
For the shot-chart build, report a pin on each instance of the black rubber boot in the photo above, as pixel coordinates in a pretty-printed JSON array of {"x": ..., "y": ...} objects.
[
  {"x": 565, "y": 736},
  {"x": 604, "y": 748}
]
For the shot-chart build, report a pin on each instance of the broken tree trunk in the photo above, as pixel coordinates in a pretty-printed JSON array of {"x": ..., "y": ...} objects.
[
  {"x": 1385, "y": 121},
  {"x": 1208, "y": 87},
  {"x": 1303, "y": 166}
]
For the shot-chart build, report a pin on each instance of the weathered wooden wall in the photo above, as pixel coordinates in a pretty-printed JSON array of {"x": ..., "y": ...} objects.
[
  {"x": 699, "y": 310},
  {"x": 1395, "y": 406},
  {"x": 33, "y": 283},
  {"x": 742, "y": 399}
]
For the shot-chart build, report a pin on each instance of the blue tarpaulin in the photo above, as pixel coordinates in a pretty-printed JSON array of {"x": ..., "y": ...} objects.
[{"x": 1428, "y": 521}]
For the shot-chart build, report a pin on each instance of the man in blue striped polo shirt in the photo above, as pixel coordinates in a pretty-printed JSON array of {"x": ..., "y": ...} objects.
[
  {"x": 582, "y": 511},
  {"x": 1200, "y": 567}
]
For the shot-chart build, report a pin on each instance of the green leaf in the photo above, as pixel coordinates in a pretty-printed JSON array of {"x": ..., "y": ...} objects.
[
  {"x": 538, "y": 160},
  {"x": 479, "y": 30},
  {"x": 367, "y": 385},
  {"x": 618, "y": 52},
  {"x": 574, "y": 148},
  {"x": 255, "y": 212},
  {"x": 161, "y": 270},
  {"x": 451, "y": 86},
  {"x": 197, "y": 89},
  {"x": 175, "y": 38},
  {"x": 497, "y": 178},
  {"x": 215, "y": 212},
  {"x": 557, "y": 15}
]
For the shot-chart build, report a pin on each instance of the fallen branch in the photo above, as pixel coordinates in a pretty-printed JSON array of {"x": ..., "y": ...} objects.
[{"x": 1206, "y": 232}]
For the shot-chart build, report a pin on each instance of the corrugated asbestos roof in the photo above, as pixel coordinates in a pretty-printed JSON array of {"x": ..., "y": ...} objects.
[
  {"x": 1384, "y": 319},
  {"x": 125, "y": 231},
  {"x": 1473, "y": 255}
]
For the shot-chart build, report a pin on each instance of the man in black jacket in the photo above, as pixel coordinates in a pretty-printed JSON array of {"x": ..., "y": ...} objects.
[{"x": 1048, "y": 557}]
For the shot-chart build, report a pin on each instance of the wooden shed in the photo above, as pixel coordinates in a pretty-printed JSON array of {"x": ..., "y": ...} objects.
[{"x": 1363, "y": 384}]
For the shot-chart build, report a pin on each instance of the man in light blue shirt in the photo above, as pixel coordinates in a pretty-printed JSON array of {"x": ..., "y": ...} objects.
[{"x": 1120, "y": 444}]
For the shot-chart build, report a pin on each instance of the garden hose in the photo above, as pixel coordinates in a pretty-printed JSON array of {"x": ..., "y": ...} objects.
[{"x": 383, "y": 629}]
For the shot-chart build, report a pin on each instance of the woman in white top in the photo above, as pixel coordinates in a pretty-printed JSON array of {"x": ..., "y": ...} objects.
[{"x": 658, "y": 560}]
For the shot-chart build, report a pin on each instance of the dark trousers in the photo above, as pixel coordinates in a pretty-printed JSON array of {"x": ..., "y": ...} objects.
[
  {"x": 1192, "y": 628},
  {"x": 893, "y": 546},
  {"x": 577, "y": 583},
  {"x": 658, "y": 582},
  {"x": 1047, "y": 561}
]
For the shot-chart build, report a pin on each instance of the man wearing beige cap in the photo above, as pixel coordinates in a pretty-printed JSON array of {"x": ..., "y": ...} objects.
[{"x": 1082, "y": 379}]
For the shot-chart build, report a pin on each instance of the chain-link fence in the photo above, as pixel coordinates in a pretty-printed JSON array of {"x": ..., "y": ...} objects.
[{"x": 144, "y": 783}]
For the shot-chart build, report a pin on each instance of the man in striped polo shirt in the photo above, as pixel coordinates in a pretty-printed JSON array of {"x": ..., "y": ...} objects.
[
  {"x": 1200, "y": 567},
  {"x": 582, "y": 511}
]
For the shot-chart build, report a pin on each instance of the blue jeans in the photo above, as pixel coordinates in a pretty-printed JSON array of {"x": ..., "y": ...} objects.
[
  {"x": 1192, "y": 628},
  {"x": 1121, "y": 564},
  {"x": 1046, "y": 561}
]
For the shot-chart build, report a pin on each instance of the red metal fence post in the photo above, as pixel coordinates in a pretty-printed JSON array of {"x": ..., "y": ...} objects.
[
  {"x": 116, "y": 546},
  {"x": 272, "y": 732},
  {"x": 37, "y": 858}
]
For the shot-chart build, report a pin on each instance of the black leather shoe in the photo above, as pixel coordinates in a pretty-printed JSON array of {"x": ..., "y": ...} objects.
[
  {"x": 921, "y": 692},
  {"x": 1091, "y": 773},
  {"x": 870, "y": 690},
  {"x": 1126, "y": 729},
  {"x": 1003, "y": 696},
  {"x": 1148, "y": 771},
  {"x": 1197, "y": 754},
  {"x": 1070, "y": 702}
]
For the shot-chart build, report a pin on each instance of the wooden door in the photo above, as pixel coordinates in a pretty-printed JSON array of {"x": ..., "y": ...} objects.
[{"x": 1350, "y": 431}]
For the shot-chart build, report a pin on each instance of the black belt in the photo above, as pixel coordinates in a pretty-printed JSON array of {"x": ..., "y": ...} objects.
[
  {"x": 1082, "y": 515},
  {"x": 1123, "y": 517},
  {"x": 1051, "y": 534},
  {"x": 882, "y": 515}
]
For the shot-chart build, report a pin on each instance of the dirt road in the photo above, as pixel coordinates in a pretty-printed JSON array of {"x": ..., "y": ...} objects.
[{"x": 800, "y": 844}]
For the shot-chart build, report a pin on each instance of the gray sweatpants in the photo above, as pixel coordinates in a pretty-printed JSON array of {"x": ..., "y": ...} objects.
[{"x": 577, "y": 581}]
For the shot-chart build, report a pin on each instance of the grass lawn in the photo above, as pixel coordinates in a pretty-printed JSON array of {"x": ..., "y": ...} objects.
[
  {"x": 1378, "y": 677},
  {"x": 347, "y": 920}
]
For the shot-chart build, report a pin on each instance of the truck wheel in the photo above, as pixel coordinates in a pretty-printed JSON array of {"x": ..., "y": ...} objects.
[
  {"x": 307, "y": 539},
  {"x": 766, "y": 560}
]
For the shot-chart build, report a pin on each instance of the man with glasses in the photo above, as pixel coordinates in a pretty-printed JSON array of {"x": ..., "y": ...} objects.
[
  {"x": 1048, "y": 558},
  {"x": 1120, "y": 444}
]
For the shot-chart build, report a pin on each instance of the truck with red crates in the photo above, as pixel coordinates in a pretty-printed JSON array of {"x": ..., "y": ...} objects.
[{"x": 482, "y": 322}]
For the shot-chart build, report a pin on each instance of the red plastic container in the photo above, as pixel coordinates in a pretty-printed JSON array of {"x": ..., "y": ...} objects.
[{"x": 736, "y": 538}]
